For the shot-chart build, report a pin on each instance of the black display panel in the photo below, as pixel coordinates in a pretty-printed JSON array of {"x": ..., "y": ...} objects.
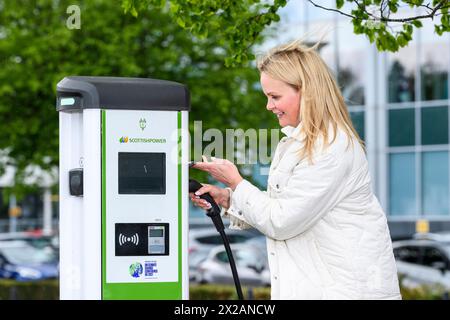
[{"x": 142, "y": 173}]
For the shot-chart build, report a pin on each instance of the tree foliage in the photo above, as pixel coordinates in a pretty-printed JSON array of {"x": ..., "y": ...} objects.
[
  {"x": 37, "y": 50},
  {"x": 240, "y": 23}
]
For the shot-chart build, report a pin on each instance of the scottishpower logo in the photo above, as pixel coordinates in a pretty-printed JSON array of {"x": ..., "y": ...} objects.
[
  {"x": 142, "y": 123},
  {"x": 142, "y": 140}
]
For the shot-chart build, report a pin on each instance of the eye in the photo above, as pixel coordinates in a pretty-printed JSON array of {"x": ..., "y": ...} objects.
[{"x": 275, "y": 97}]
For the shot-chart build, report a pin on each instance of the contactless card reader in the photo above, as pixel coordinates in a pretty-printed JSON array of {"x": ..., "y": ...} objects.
[{"x": 156, "y": 239}]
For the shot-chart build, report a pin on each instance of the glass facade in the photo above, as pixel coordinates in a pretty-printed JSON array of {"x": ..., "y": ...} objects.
[
  {"x": 418, "y": 132},
  {"x": 433, "y": 64},
  {"x": 435, "y": 197},
  {"x": 402, "y": 191},
  {"x": 434, "y": 125},
  {"x": 401, "y": 127},
  {"x": 398, "y": 103},
  {"x": 358, "y": 122},
  {"x": 401, "y": 75}
]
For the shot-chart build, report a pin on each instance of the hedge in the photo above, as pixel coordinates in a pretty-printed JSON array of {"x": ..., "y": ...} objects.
[
  {"x": 33, "y": 290},
  {"x": 49, "y": 290}
]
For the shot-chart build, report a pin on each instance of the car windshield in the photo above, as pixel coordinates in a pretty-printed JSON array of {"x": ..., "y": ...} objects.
[
  {"x": 243, "y": 257},
  {"x": 23, "y": 253},
  {"x": 446, "y": 247}
]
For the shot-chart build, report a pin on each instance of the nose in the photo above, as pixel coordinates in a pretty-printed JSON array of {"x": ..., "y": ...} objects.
[{"x": 270, "y": 105}]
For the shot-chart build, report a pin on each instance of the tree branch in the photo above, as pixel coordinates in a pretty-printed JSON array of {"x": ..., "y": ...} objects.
[
  {"x": 335, "y": 10},
  {"x": 439, "y": 6}
]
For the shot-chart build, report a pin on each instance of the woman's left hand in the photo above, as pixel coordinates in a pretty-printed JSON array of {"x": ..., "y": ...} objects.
[{"x": 222, "y": 170}]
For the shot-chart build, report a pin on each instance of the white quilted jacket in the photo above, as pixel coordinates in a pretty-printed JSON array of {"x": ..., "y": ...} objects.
[{"x": 327, "y": 235}]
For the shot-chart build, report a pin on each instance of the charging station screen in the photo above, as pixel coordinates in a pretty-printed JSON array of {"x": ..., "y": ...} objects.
[
  {"x": 142, "y": 173},
  {"x": 156, "y": 233}
]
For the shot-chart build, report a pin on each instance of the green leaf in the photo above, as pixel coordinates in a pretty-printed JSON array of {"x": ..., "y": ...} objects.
[
  {"x": 438, "y": 30},
  {"x": 133, "y": 11},
  {"x": 181, "y": 22},
  {"x": 417, "y": 23},
  {"x": 401, "y": 40},
  {"x": 408, "y": 28},
  {"x": 371, "y": 34},
  {"x": 357, "y": 28},
  {"x": 393, "y": 6}
]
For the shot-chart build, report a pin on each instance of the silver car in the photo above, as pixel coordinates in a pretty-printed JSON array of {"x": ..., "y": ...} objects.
[
  {"x": 423, "y": 262},
  {"x": 251, "y": 264},
  {"x": 201, "y": 241},
  {"x": 443, "y": 236}
]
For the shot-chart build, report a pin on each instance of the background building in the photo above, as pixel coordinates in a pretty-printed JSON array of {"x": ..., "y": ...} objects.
[{"x": 399, "y": 105}]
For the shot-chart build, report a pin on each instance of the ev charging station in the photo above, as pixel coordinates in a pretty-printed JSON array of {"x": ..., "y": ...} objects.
[{"x": 124, "y": 154}]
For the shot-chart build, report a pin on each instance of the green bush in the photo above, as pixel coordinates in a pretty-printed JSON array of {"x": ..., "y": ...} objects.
[
  {"x": 226, "y": 292},
  {"x": 49, "y": 290},
  {"x": 423, "y": 292},
  {"x": 30, "y": 290}
]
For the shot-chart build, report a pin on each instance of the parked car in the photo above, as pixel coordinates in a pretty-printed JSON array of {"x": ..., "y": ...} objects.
[
  {"x": 201, "y": 241},
  {"x": 36, "y": 239},
  {"x": 423, "y": 262},
  {"x": 251, "y": 265},
  {"x": 443, "y": 236},
  {"x": 21, "y": 261},
  {"x": 258, "y": 241}
]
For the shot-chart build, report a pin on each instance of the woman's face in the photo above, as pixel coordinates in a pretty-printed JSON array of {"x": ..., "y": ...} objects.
[{"x": 282, "y": 99}]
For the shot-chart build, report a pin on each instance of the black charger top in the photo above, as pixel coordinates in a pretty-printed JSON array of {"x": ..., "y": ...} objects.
[{"x": 75, "y": 93}]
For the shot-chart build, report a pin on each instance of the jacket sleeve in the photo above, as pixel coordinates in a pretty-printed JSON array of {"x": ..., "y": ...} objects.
[
  {"x": 236, "y": 223},
  {"x": 311, "y": 192}
]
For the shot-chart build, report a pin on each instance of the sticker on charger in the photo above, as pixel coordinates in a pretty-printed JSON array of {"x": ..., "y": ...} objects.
[
  {"x": 135, "y": 270},
  {"x": 150, "y": 269}
]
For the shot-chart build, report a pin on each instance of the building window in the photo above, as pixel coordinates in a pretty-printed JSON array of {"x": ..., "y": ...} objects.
[
  {"x": 434, "y": 63},
  {"x": 402, "y": 184},
  {"x": 350, "y": 78},
  {"x": 401, "y": 127},
  {"x": 401, "y": 75},
  {"x": 433, "y": 82},
  {"x": 435, "y": 190},
  {"x": 358, "y": 122},
  {"x": 434, "y": 125}
]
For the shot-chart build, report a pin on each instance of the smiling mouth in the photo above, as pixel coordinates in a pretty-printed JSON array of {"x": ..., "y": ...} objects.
[{"x": 279, "y": 114}]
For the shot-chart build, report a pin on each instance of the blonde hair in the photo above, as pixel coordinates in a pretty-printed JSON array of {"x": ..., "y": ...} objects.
[{"x": 321, "y": 102}]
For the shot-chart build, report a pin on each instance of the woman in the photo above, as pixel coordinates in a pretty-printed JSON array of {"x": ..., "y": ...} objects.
[{"x": 327, "y": 235}]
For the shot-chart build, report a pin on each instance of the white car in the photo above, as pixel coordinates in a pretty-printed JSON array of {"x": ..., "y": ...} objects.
[
  {"x": 251, "y": 265},
  {"x": 443, "y": 236},
  {"x": 202, "y": 240},
  {"x": 423, "y": 262}
]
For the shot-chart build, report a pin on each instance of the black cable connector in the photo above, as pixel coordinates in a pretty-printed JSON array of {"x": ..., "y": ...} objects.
[{"x": 214, "y": 214}]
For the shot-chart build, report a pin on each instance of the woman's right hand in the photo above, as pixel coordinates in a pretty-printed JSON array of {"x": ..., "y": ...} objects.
[{"x": 220, "y": 195}]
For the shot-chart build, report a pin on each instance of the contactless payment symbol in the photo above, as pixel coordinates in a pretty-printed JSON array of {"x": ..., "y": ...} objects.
[
  {"x": 135, "y": 270},
  {"x": 134, "y": 239}
]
